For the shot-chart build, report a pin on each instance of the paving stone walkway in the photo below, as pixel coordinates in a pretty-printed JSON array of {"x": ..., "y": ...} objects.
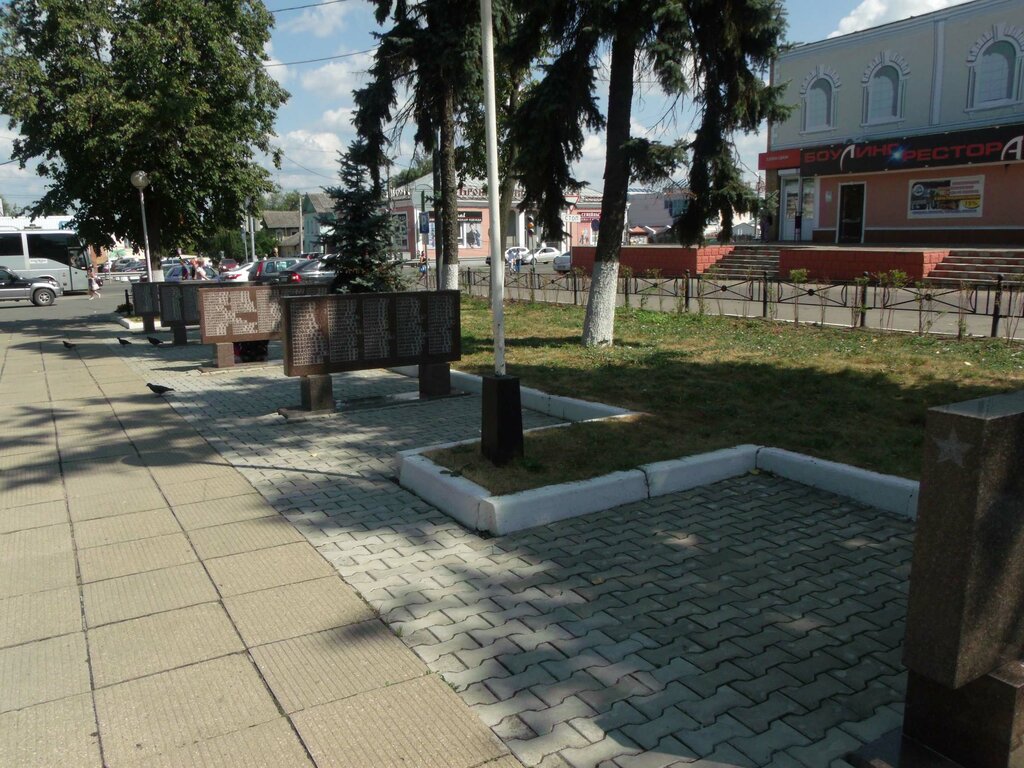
[
  {"x": 156, "y": 611},
  {"x": 753, "y": 622}
]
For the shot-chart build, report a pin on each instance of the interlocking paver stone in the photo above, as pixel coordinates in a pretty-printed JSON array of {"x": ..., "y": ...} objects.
[{"x": 720, "y": 591}]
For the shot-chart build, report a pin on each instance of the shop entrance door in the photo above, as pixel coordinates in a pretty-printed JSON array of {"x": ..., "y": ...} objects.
[
  {"x": 851, "y": 214},
  {"x": 790, "y": 207}
]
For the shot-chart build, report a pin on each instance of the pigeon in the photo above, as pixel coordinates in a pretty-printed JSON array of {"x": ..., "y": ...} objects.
[
  {"x": 155, "y": 341},
  {"x": 68, "y": 345},
  {"x": 123, "y": 341},
  {"x": 159, "y": 389}
]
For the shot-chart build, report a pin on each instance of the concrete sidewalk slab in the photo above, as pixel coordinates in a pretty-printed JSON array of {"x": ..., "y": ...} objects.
[
  {"x": 135, "y": 556},
  {"x": 32, "y": 516},
  {"x": 266, "y": 568},
  {"x": 43, "y": 671},
  {"x": 160, "y": 642},
  {"x": 296, "y": 609},
  {"x": 39, "y": 615},
  {"x": 420, "y": 722},
  {"x": 141, "y": 594},
  {"x": 150, "y": 715},
  {"x": 59, "y": 733},
  {"x": 103, "y": 531},
  {"x": 314, "y": 669}
]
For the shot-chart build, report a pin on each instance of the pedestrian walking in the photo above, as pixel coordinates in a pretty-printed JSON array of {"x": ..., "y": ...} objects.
[
  {"x": 199, "y": 271},
  {"x": 94, "y": 284}
]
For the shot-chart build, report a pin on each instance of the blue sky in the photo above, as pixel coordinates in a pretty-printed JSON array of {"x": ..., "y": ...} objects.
[{"x": 316, "y": 122}]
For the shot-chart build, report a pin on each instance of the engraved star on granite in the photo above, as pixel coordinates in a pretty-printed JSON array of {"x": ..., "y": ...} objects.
[{"x": 952, "y": 449}]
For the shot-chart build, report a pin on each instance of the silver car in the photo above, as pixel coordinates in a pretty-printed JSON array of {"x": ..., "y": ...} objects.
[{"x": 38, "y": 290}]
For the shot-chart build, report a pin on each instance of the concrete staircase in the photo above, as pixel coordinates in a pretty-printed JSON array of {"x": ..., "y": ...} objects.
[
  {"x": 748, "y": 262},
  {"x": 971, "y": 266}
]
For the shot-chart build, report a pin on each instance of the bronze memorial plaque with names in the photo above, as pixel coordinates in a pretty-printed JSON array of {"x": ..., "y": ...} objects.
[
  {"x": 235, "y": 313},
  {"x": 351, "y": 332}
]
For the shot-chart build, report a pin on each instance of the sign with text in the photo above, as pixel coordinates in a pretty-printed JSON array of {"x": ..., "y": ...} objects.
[
  {"x": 940, "y": 198},
  {"x": 230, "y": 313},
  {"x": 352, "y": 332},
  {"x": 996, "y": 144}
]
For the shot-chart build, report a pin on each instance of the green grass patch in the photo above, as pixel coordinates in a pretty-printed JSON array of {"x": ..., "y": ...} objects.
[{"x": 853, "y": 396}]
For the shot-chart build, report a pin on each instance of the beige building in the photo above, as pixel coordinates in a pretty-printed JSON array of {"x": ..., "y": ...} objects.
[{"x": 912, "y": 132}]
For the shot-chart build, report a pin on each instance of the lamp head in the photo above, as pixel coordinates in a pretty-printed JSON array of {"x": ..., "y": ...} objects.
[{"x": 140, "y": 179}]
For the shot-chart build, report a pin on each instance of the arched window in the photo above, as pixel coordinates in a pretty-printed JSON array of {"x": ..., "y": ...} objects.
[
  {"x": 996, "y": 64},
  {"x": 884, "y": 95},
  {"x": 994, "y": 73},
  {"x": 818, "y": 105}
]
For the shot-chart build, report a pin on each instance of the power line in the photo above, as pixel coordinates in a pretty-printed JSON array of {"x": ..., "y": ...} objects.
[
  {"x": 325, "y": 58},
  {"x": 309, "y": 5},
  {"x": 310, "y": 170}
]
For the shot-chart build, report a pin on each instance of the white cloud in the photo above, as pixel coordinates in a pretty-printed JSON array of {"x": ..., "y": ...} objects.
[
  {"x": 323, "y": 21},
  {"x": 590, "y": 167},
  {"x": 339, "y": 78},
  {"x": 339, "y": 119},
  {"x": 871, "y": 13}
]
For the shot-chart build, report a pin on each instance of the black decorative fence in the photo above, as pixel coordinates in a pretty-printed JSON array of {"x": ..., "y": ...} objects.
[{"x": 1002, "y": 300}]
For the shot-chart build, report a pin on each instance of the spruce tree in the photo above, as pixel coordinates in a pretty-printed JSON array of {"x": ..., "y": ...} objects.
[{"x": 360, "y": 237}]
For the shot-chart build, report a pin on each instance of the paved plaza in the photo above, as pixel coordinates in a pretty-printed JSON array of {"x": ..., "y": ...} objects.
[{"x": 196, "y": 581}]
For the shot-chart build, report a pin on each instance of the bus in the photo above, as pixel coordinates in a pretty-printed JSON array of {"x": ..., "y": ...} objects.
[{"x": 47, "y": 247}]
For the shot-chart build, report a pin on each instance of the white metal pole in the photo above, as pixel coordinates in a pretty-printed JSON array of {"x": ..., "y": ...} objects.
[
  {"x": 145, "y": 238},
  {"x": 497, "y": 257}
]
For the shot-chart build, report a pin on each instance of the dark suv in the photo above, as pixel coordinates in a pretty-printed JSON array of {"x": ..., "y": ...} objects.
[
  {"x": 38, "y": 290},
  {"x": 314, "y": 271},
  {"x": 266, "y": 271}
]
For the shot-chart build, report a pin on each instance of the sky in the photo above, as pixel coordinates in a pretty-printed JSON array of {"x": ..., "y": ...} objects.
[{"x": 315, "y": 123}]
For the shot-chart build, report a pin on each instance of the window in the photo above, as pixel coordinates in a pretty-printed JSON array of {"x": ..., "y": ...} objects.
[
  {"x": 996, "y": 64},
  {"x": 819, "y": 93},
  {"x": 818, "y": 106},
  {"x": 10, "y": 245},
  {"x": 884, "y": 95},
  {"x": 49, "y": 246},
  {"x": 995, "y": 73}
]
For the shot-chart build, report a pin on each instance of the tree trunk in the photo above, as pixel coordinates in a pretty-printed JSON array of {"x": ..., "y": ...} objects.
[
  {"x": 449, "y": 191},
  {"x": 599, "y": 326},
  {"x": 506, "y": 195}
]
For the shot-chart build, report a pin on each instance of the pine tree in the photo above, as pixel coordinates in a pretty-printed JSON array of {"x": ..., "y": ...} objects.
[{"x": 361, "y": 234}]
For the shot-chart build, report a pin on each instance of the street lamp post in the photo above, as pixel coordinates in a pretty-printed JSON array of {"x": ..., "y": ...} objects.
[{"x": 140, "y": 180}]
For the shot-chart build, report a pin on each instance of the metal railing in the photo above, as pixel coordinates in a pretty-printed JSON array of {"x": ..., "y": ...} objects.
[{"x": 1002, "y": 301}]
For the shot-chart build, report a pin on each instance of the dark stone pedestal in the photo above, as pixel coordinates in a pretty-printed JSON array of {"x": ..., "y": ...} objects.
[
  {"x": 225, "y": 355},
  {"x": 180, "y": 334},
  {"x": 149, "y": 323},
  {"x": 435, "y": 380},
  {"x": 502, "y": 420},
  {"x": 317, "y": 393},
  {"x": 980, "y": 725}
]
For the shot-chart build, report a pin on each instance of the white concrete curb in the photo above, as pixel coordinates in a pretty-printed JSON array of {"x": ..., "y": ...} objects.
[
  {"x": 887, "y": 492},
  {"x": 540, "y": 506},
  {"x": 474, "y": 506},
  {"x": 132, "y": 325},
  {"x": 682, "y": 474}
]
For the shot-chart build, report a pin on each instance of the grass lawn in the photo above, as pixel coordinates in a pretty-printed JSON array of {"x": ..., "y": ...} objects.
[{"x": 854, "y": 396}]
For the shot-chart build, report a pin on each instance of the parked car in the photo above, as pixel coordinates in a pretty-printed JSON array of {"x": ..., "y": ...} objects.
[
  {"x": 266, "y": 270},
  {"x": 544, "y": 254},
  {"x": 226, "y": 265},
  {"x": 315, "y": 271},
  {"x": 39, "y": 290},
  {"x": 174, "y": 273},
  {"x": 236, "y": 275},
  {"x": 562, "y": 262}
]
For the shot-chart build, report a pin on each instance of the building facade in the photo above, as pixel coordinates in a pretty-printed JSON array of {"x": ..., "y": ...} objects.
[{"x": 912, "y": 132}]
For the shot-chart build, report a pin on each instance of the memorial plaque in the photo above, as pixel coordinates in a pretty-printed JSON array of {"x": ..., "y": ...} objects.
[
  {"x": 350, "y": 332},
  {"x": 146, "y": 299},
  {"x": 237, "y": 313},
  {"x": 179, "y": 302}
]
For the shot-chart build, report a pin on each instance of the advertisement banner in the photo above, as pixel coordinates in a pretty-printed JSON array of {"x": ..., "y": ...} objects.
[
  {"x": 995, "y": 144},
  {"x": 940, "y": 198}
]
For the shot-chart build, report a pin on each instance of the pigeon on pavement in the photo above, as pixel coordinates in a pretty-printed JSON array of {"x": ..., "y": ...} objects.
[
  {"x": 155, "y": 342},
  {"x": 68, "y": 345},
  {"x": 123, "y": 341},
  {"x": 159, "y": 389}
]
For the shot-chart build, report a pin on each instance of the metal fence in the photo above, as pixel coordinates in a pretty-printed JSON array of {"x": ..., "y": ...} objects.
[{"x": 836, "y": 303}]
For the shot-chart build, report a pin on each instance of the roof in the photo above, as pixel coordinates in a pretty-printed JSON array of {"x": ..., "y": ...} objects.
[
  {"x": 281, "y": 219},
  {"x": 322, "y": 203}
]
